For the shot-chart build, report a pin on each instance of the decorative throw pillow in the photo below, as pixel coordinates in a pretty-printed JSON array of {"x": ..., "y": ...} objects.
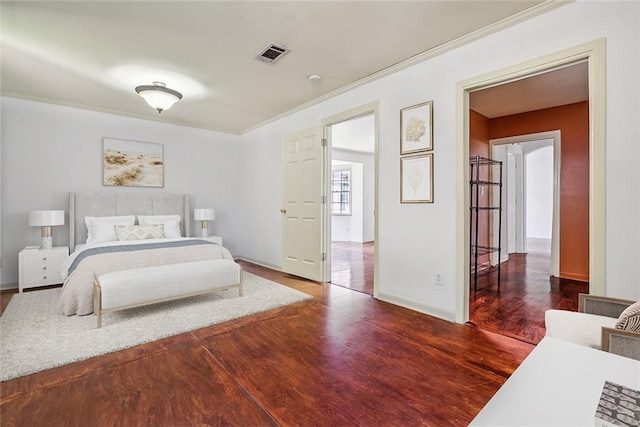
[
  {"x": 629, "y": 320},
  {"x": 139, "y": 232},
  {"x": 100, "y": 228},
  {"x": 171, "y": 223}
]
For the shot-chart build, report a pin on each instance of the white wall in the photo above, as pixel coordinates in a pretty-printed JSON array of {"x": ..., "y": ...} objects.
[
  {"x": 50, "y": 150},
  {"x": 416, "y": 241},
  {"x": 539, "y": 192}
]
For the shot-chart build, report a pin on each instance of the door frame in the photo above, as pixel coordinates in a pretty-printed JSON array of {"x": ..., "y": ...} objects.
[
  {"x": 594, "y": 54},
  {"x": 354, "y": 113},
  {"x": 555, "y": 135}
]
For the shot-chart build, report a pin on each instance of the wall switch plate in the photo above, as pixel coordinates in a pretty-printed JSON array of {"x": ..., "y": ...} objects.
[{"x": 438, "y": 278}]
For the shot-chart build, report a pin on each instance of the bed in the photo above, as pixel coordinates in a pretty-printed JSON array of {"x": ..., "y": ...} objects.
[{"x": 93, "y": 253}]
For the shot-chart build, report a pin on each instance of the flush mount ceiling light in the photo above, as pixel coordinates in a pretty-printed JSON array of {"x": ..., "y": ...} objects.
[{"x": 159, "y": 96}]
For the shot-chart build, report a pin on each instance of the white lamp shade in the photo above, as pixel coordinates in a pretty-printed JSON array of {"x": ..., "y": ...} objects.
[
  {"x": 46, "y": 218},
  {"x": 159, "y": 100},
  {"x": 204, "y": 214}
]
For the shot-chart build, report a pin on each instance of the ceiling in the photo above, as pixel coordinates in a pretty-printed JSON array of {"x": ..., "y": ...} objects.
[
  {"x": 92, "y": 54},
  {"x": 564, "y": 86}
]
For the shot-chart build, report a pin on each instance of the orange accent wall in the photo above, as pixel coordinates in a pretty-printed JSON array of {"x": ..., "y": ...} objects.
[
  {"x": 479, "y": 146},
  {"x": 573, "y": 122}
]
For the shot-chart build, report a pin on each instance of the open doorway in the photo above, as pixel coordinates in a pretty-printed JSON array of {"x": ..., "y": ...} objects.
[
  {"x": 352, "y": 203},
  {"x": 532, "y": 228},
  {"x": 531, "y": 196}
]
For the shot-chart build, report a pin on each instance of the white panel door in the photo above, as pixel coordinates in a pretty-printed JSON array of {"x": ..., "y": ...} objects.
[{"x": 302, "y": 210}]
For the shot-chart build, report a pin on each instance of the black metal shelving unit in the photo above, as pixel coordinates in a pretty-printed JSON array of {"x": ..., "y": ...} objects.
[{"x": 477, "y": 180}]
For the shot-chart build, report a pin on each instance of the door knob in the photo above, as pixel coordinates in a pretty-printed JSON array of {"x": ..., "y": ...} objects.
[{"x": 283, "y": 210}]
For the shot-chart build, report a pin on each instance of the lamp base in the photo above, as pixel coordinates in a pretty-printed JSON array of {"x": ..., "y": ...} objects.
[
  {"x": 205, "y": 232},
  {"x": 47, "y": 242}
]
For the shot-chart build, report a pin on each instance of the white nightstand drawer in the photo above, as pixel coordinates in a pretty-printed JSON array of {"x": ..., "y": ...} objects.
[
  {"x": 44, "y": 277},
  {"x": 45, "y": 256}
]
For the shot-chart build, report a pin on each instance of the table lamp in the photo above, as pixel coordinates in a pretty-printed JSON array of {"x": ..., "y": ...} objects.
[
  {"x": 46, "y": 219},
  {"x": 204, "y": 215}
]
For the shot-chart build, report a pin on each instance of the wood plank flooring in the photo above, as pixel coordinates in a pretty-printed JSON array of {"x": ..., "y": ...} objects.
[
  {"x": 342, "y": 358},
  {"x": 352, "y": 265},
  {"x": 526, "y": 292}
]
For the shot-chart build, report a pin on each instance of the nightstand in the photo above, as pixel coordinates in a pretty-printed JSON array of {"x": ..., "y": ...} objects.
[
  {"x": 40, "y": 267},
  {"x": 214, "y": 239}
]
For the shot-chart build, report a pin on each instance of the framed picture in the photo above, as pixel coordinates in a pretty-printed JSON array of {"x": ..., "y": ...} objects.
[
  {"x": 416, "y": 179},
  {"x": 416, "y": 128},
  {"x": 132, "y": 163}
]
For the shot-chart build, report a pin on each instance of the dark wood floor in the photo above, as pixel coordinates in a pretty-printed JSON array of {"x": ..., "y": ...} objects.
[
  {"x": 342, "y": 358},
  {"x": 352, "y": 265},
  {"x": 526, "y": 292},
  {"x": 517, "y": 311}
]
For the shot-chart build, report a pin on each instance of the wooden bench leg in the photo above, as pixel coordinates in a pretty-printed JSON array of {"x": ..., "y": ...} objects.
[{"x": 97, "y": 302}]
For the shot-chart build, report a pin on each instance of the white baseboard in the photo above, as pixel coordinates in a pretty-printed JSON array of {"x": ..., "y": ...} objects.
[
  {"x": 260, "y": 263},
  {"x": 7, "y": 286},
  {"x": 412, "y": 305}
]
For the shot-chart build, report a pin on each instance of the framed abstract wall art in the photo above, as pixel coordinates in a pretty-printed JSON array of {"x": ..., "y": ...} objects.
[
  {"x": 416, "y": 128},
  {"x": 132, "y": 163},
  {"x": 416, "y": 179}
]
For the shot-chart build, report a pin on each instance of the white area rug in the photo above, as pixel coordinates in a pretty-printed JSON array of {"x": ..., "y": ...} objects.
[{"x": 35, "y": 336}]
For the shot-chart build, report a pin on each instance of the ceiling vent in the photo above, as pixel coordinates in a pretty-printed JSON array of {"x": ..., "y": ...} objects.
[{"x": 272, "y": 52}]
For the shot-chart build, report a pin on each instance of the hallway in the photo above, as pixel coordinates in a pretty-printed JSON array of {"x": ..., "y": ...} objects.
[
  {"x": 352, "y": 265},
  {"x": 526, "y": 292},
  {"x": 517, "y": 311}
]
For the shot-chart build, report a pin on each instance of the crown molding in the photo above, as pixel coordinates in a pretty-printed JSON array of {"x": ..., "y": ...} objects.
[
  {"x": 532, "y": 12},
  {"x": 160, "y": 119}
]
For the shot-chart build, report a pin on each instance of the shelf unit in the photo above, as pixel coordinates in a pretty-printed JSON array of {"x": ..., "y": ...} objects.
[{"x": 484, "y": 173}]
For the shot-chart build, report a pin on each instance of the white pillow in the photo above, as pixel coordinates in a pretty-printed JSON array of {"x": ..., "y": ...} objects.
[
  {"x": 139, "y": 232},
  {"x": 102, "y": 228},
  {"x": 171, "y": 223}
]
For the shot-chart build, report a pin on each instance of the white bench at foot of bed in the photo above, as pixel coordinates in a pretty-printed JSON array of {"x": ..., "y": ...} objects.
[{"x": 120, "y": 290}]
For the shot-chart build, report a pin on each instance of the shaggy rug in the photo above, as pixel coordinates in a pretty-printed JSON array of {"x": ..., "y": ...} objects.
[{"x": 35, "y": 336}]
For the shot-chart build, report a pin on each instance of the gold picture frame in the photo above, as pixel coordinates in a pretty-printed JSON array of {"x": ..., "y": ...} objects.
[
  {"x": 132, "y": 163},
  {"x": 416, "y": 179},
  {"x": 416, "y": 128}
]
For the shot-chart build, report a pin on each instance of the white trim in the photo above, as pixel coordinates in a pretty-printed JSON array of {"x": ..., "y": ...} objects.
[
  {"x": 532, "y": 12},
  {"x": 260, "y": 263},
  {"x": 416, "y": 306},
  {"x": 157, "y": 118},
  {"x": 510, "y": 21},
  {"x": 594, "y": 53},
  {"x": 555, "y": 227},
  {"x": 354, "y": 113},
  {"x": 9, "y": 285}
]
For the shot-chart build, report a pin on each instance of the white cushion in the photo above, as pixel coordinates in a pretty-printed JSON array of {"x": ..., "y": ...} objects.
[
  {"x": 171, "y": 223},
  {"x": 579, "y": 328},
  {"x": 102, "y": 228},
  {"x": 140, "y": 285},
  {"x": 139, "y": 232}
]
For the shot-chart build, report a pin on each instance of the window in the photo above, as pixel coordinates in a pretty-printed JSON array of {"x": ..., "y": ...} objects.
[{"x": 341, "y": 192}]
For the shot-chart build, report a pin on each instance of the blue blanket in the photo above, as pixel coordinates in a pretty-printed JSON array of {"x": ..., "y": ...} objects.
[{"x": 137, "y": 247}]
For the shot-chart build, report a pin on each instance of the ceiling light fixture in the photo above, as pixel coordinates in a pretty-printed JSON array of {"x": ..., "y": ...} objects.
[{"x": 159, "y": 96}]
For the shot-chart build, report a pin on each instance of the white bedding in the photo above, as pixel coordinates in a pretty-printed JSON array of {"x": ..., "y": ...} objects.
[{"x": 76, "y": 296}]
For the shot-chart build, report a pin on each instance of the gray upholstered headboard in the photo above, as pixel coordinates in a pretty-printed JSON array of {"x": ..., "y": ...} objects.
[{"x": 110, "y": 204}]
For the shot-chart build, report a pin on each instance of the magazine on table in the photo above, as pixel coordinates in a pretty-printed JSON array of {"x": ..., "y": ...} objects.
[{"x": 619, "y": 406}]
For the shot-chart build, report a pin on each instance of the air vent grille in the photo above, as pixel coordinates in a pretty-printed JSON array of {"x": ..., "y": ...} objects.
[{"x": 272, "y": 53}]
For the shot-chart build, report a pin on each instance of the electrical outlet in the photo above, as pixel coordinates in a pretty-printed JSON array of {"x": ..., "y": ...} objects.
[{"x": 438, "y": 279}]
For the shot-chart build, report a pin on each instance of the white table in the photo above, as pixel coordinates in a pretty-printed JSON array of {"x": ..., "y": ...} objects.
[{"x": 558, "y": 384}]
